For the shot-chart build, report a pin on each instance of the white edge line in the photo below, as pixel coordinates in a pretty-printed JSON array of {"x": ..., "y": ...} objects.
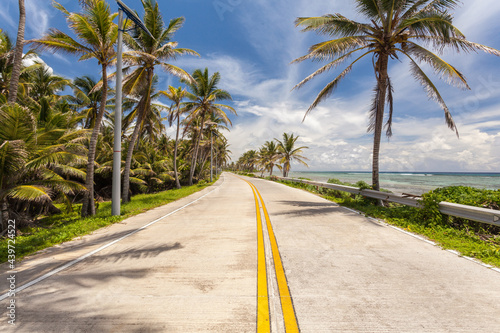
[{"x": 77, "y": 260}]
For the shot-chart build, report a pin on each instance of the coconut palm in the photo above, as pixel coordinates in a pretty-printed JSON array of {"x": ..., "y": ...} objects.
[
  {"x": 43, "y": 83},
  {"x": 39, "y": 154},
  {"x": 86, "y": 99},
  {"x": 395, "y": 28},
  {"x": 146, "y": 53},
  {"x": 223, "y": 152},
  {"x": 288, "y": 152},
  {"x": 176, "y": 95},
  {"x": 204, "y": 93},
  {"x": 152, "y": 126},
  {"x": 97, "y": 35},
  {"x": 248, "y": 160},
  {"x": 18, "y": 54},
  {"x": 7, "y": 51},
  {"x": 269, "y": 155}
]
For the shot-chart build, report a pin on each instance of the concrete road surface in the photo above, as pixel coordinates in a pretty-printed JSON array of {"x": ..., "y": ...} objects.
[{"x": 196, "y": 270}]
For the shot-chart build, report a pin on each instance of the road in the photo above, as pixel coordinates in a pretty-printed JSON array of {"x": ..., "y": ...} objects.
[{"x": 202, "y": 264}]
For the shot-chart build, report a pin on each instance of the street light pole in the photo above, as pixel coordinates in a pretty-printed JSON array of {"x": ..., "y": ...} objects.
[
  {"x": 117, "y": 147},
  {"x": 117, "y": 150},
  {"x": 211, "y": 154}
]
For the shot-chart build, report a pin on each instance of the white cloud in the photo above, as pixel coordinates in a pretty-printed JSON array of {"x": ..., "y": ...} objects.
[
  {"x": 38, "y": 13},
  {"x": 7, "y": 8},
  {"x": 335, "y": 131}
]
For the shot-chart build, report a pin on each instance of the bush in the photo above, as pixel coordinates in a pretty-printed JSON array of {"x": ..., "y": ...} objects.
[{"x": 461, "y": 195}]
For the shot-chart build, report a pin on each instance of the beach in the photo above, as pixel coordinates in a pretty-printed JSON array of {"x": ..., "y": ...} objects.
[{"x": 409, "y": 182}]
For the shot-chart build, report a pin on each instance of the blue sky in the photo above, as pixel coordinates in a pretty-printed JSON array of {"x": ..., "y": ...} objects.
[{"x": 251, "y": 43}]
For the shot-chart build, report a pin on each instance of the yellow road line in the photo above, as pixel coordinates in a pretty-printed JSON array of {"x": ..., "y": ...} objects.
[
  {"x": 289, "y": 318},
  {"x": 291, "y": 325},
  {"x": 263, "y": 322}
]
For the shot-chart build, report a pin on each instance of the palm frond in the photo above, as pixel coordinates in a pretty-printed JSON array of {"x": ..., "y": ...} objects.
[
  {"x": 325, "y": 68},
  {"x": 443, "y": 69},
  {"x": 30, "y": 193},
  {"x": 333, "y": 25},
  {"x": 330, "y": 87},
  {"x": 432, "y": 93}
]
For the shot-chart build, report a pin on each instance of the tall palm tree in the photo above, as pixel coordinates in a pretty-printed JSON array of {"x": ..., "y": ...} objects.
[
  {"x": 176, "y": 95},
  {"x": 7, "y": 52},
  {"x": 395, "y": 28},
  {"x": 97, "y": 36},
  {"x": 204, "y": 93},
  {"x": 18, "y": 54},
  {"x": 269, "y": 155},
  {"x": 86, "y": 99},
  {"x": 146, "y": 53},
  {"x": 248, "y": 160},
  {"x": 289, "y": 153},
  {"x": 223, "y": 152}
]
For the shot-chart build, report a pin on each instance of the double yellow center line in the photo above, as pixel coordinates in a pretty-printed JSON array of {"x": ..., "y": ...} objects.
[{"x": 263, "y": 320}]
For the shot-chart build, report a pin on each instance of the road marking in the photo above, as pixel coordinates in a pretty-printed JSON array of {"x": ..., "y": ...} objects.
[
  {"x": 289, "y": 318},
  {"x": 85, "y": 256},
  {"x": 263, "y": 323}
]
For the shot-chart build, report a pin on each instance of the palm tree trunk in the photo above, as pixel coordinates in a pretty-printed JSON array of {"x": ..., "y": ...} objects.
[
  {"x": 177, "y": 183},
  {"x": 130, "y": 151},
  {"x": 379, "y": 120},
  {"x": 142, "y": 108},
  {"x": 195, "y": 157},
  {"x": 4, "y": 215},
  {"x": 88, "y": 205},
  {"x": 18, "y": 54}
]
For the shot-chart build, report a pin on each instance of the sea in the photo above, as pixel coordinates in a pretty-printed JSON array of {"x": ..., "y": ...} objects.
[{"x": 409, "y": 182}]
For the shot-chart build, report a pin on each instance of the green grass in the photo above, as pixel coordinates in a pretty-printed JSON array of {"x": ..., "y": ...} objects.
[
  {"x": 471, "y": 239},
  {"x": 60, "y": 228}
]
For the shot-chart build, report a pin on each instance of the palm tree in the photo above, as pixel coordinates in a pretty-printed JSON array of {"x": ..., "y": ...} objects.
[
  {"x": 18, "y": 54},
  {"x": 223, "y": 152},
  {"x": 176, "y": 95},
  {"x": 248, "y": 160},
  {"x": 38, "y": 157},
  {"x": 86, "y": 99},
  {"x": 269, "y": 155},
  {"x": 288, "y": 152},
  {"x": 146, "y": 53},
  {"x": 43, "y": 83},
  {"x": 7, "y": 51},
  {"x": 397, "y": 27},
  {"x": 204, "y": 93},
  {"x": 97, "y": 35}
]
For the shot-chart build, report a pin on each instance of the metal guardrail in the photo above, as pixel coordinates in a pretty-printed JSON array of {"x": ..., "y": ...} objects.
[{"x": 483, "y": 215}]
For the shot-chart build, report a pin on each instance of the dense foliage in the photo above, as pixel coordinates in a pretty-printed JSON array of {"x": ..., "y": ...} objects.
[
  {"x": 56, "y": 137},
  {"x": 276, "y": 153}
]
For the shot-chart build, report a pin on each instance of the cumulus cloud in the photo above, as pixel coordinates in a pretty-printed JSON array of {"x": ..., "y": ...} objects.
[{"x": 335, "y": 132}]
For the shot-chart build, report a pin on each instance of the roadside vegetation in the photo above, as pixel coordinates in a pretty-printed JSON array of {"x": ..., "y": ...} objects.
[
  {"x": 59, "y": 228},
  {"x": 276, "y": 153},
  {"x": 56, "y": 133},
  {"x": 472, "y": 239}
]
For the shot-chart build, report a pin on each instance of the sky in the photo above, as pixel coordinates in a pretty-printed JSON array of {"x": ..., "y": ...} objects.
[{"x": 252, "y": 43}]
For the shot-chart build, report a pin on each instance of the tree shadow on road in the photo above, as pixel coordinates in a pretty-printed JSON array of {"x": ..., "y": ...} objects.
[{"x": 308, "y": 208}]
